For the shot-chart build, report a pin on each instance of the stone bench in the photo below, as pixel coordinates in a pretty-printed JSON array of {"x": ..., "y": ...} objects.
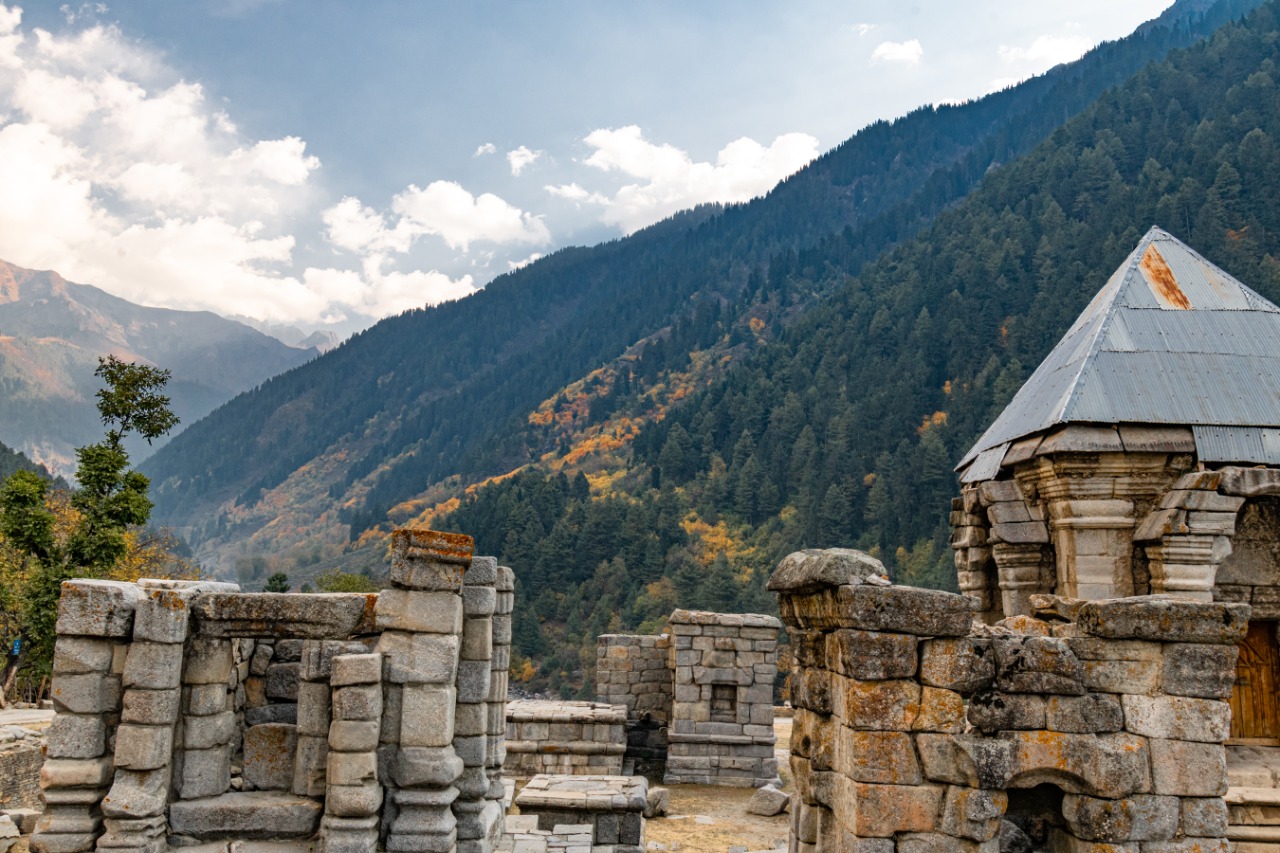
[
  {"x": 575, "y": 738},
  {"x": 612, "y": 805}
]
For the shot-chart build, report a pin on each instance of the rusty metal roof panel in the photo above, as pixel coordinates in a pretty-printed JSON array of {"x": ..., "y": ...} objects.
[
  {"x": 1170, "y": 339},
  {"x": 1258, "y": 445}
]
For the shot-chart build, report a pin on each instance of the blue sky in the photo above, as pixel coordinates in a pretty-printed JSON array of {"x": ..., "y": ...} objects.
[{"x": 321, "y": 162}]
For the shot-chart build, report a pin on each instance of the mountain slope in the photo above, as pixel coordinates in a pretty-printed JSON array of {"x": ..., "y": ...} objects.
[
  {"x": 52, "y": 332},
  {"x": 843, "y": 431},
  {"x": 434, "y": 399}
]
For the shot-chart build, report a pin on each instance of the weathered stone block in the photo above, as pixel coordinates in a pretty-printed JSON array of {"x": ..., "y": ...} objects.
[
  {"x": 318, "y": 655},
  {"x": 96, "y": 608},
  {"x": 356, "y": 669},
  {"x": 161, "y": 615},
  {"x": 282, "y": 681},
  {"x": 420, "y": 612},
  {"x": 871, "y": 655},
  {"x": 1037, "y": 665},
  {"x": 1118, "y": 666},
  {"x": 1139, "y": 818},
  {"x": 1093, "y": 712},
  {"x": 887, "y": 758},
  {"x": 1203, "y": 817},
  {"x": 268, "y": 756},
  {"x": 353, "y": 735},
  {"x": 205, "y": 699},
  {"x": 280, "y": 712},
  {"x": 209, "y": 661},
  {"x": 881, "y": 705},
  {"x": 1165, "y": 619},
  {"x": 352, "y": 768},
  {"x": 880, "y": 811},
  {"x": 354, "y": 800},
  {"x": 973, "y": 814},
  {"x": 309, "y": 766},
  {"x": 1194, "y": 669},
  {"x": 963, "y": 664},
  {"x": 430, "y": 766},
  {"x": 82, "y": 655},
  {"x": 419, "y": 658},
  {"x": 358, "y": 702},
  {"x": 313, "y": 708},
  {"x": 77, "y": 736},
  {"x": 246, "y": 815},
  {"x": 317, "y": 616},
  {"x": 1188, "y": 769},
  {"x": 814, "y": 569},
  {"x": 143, "y": 747},
  {"x": 76, "y": 772},
  {"x": 427, "y": 715},
  {"x": 205, "y": 772},
  {"x": 153, "y": 666},
  {"x": 991, "y": 711},
  {"x": 137, "y": 794},
  {"x": 86, "y": 694},
  {"x": 208, "y": 732},
  {"x": 1177, "y": 717},
  {"x": 940, "y": 711}
]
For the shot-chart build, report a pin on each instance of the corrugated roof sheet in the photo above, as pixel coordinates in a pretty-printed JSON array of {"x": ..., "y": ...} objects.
[{"x": 1170, "y": 339}]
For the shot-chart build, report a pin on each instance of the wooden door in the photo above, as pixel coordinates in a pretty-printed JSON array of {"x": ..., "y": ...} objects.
[{"x": 1254, "y": 701}]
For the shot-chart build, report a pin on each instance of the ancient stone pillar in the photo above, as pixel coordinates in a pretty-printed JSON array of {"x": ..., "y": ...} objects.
[
  {"x": 95, "y": 623},
  {"x": 1093, "y": 540},
  {"x": 476, "y": 823},
  {"x": 353, "y": 794},
  {"x": 1024, "y": 570},
  {"x": 421, "y": 619},
  {"x": 499, "y": 673}
]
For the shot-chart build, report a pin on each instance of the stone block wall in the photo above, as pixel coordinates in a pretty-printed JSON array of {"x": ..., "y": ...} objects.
[
  {"x": 576, "y": 738},
  {"x": 358, "y": 720},
  {"x": 916, "y": 732},
  {"x": 633, "y": 670},
  {"x": 20, "y": 763},
  {"x": 724, "y": 668}
]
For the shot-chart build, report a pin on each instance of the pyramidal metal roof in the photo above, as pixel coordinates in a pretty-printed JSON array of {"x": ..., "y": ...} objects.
[{"x": 1171, "y": 339}]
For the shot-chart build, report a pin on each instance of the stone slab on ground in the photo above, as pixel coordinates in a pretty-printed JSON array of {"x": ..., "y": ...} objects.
[{"x": 246, "y": 815}]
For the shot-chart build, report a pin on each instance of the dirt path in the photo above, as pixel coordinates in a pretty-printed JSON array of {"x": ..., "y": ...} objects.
[{"x": 705, "y": 819}]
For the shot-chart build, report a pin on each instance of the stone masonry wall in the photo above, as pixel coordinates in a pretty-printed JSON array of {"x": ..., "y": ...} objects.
[
  {"x": 572, "y": 738},
  {"x": 915, "y": 733},
  {"x": 20, "y": 763},
  {"x": 722, "y": 714},
  {"x": 359, "y": 720},
  {"x": 633, "y": 670}
]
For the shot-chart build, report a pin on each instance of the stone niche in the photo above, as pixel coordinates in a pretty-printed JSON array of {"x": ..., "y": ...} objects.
[
  {"x": 189, "y": 711},
  {"x": 568, "y": 738},
  {"x": 918, "y": 730}
]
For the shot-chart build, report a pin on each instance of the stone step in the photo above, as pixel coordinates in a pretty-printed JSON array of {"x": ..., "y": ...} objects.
[
  {"x": 246, "y": 815},
  {"x": 1244, "y": 796},
  {"x": 1270, "y": 834}
]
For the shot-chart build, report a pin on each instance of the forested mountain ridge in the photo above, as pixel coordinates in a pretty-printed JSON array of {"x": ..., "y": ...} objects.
[
  {"x": 844, "y": 429},
  {"x": 404, "y": 415},
  {"x": 52, "y": 332}
]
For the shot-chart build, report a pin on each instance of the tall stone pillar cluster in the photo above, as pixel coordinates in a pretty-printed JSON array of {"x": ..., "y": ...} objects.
[
  {"x": 421, "y": 618},
  {"x": 499, "y": 675},
  {"x": 353, "y": 793}
]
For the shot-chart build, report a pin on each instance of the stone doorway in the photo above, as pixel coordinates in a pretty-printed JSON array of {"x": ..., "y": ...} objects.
[{"x": 1255, "y": 700}]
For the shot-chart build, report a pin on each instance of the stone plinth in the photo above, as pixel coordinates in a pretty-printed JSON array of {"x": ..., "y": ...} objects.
[
  {"x": 612, "y": 805},
  {"x": 571, "y": 738}
]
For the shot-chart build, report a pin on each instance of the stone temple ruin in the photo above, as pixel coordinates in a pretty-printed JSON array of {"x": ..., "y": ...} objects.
[
  {"x": 1106, "y": 682},
  {"x": 386, "y": 729}
]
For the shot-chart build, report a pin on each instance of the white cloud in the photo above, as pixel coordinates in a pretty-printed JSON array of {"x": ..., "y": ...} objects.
[
  {"x": 1047, "y": 51},
  {"x": 520, "y": 158},
  {"x": 447, "y": 210},
  {"x": 906, "y": 52},
  {"x": 487, "y": 148},
  {"x": 863, "y": 29},
  {"x": 116, "y": 172},
  {"x": 671, "y": 181},
  {"x": 515, "y": 265}
]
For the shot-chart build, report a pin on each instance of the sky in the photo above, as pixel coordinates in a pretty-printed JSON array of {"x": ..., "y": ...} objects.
[{"x": 326, "y": 163}]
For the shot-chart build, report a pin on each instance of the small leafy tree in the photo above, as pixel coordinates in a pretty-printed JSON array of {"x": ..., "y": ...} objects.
[
  {"x": 47, "y": 536},
  {"x": 337, "y": 580}
]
